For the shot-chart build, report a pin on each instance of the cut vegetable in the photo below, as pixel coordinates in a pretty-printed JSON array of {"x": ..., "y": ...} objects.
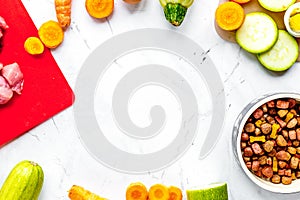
[
  {"x": 241, "y": 1},
  {"x": 217, "y": 191},
  {"x": 282, "y": 55},
  {"x": 276, "y": 5},
  {"x": 175, "y": 10},
  {"x": 136, "y": 191},
  {"x": 229, "y": 16},
  {"x": 63, "y": 12},
  {"x": 99, "y": 8},
  {"x": 258, "y": 33},
  {"x": 34, "y": 46},
  {"x": 175, "y": 193},
  {"x": 51, "y": 34},
  {"x": 158, "y": 192},
  {"x": 79, "y": 193},
  {"x": 24, "y": 182}
]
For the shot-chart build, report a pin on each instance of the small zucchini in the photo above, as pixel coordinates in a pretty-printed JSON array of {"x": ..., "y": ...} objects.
[
  {"x": 175, "y": 10},
  {"x": 24, "y": 182}
]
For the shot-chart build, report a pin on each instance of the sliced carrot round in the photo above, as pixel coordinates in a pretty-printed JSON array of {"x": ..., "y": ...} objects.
[
  {"x": 51, "y": 34},
  {"x": 241, "y": 1},
  {"x": 136, "y": 191},
  {"x": 99, "y": 8},
  {"x": 158, "y": 192},
  {"x": 230, "y": 16},
  {"x": 33, "y": 46},
  {"x": 175, "y": 193}
]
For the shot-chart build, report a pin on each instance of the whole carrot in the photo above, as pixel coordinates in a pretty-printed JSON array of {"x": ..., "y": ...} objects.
[{"x": 63, "y": 12}]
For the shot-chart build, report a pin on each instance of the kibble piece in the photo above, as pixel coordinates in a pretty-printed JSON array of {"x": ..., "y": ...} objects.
[
  {"x": 257, "y": 138},
  {"x": 271, "y": 104},
  {"x": 281, "y": 141},
  {"x": 292, "y": 123},
  {"x": 267, "y": 171},
  {"x": 282, "y": 164},
  {"x": 292, "y": 150},
  {"x": 257, "y": 131},
  {"x": 243, "y": 145},
  {"x": 249, "y": 165},
  {"x": 285, "y": 134},
  {"x": 296, "y": 143},
  {"x": 266, "y": 128},
  {"x": 272, "y": 153},
  {"x": 245, "y": 137},
  {"x": 258, "y": 113},
  {"x": 281, "y": 172},
  {"x": 282, "y": 113},
  {"x": 292, "y": 135},
  {"x": 248, "y": 152},
  {"x": 256, "y": 148},
  {"x": 247, "y": 159},
  {"x": 292, "y": 102},
  {"x": 271, "y": 120},
  {"x": 276, "y": 178},
  {"x": 294, "y": 162},
  {"x": 255, "y": 166},
  {"x": 269, "y": 161},
  {"x": 268, "y": 146},
  {"x": 283, "y": 155},
  {"x": 288, "y": 172},
  {"x": 262, "y": 160},
  {"x": 289, "y": 116},
  {"x": 286, "y": 180},
  {"x": 280, "y": 122},
  {"x": 280, "y": 104},
  {"x": 265, "y": 108},
  {"x": 275, "y": 128},
  {"x": 249, "y": 127}
]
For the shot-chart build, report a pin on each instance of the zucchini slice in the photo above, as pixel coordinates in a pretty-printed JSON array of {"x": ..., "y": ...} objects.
[
  {"x": 276, "y": 5},
  {"x": 282, "y": 55},
  {"x": 258, "y": 33}
]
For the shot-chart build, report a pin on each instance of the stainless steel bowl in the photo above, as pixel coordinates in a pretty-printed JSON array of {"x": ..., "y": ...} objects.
[{"x": 236, "y": 138}]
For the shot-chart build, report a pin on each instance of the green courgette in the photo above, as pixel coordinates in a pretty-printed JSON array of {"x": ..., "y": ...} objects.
[
  {"x": 24, "y": 182},
  {"x": 175, "y": 10}
]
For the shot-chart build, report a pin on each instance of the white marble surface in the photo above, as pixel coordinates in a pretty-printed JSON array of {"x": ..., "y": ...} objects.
[{"x": 56, "y": 145}]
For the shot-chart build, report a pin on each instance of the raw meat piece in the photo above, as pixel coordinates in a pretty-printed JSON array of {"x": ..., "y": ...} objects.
[
  {"x": 5, "y": 92},
  {"x": 14, "y": 77}
]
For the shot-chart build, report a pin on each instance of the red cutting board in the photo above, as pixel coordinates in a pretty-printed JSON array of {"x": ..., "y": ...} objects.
[{"x": 46, "y": 91}]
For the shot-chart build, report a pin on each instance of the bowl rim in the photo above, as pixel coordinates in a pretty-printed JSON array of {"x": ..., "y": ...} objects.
[
  {"x": 239, "y": 124},
  {"x": 286, "y": 19}
]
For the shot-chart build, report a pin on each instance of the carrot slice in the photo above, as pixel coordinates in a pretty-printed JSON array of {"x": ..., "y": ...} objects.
[
  {"x": 51, "y": 34},
  {"x": 158, "y": 192},
  {"x": 230, "y": 16},
  {"x": 241, "y": 1},
  {"x": 136, "y": 191},
  {"x": 175, "y": 193},
  {"x": 79, "y": 193},
  {"x": 33, "y": 46},
  {"x": 99, "y": 8}
]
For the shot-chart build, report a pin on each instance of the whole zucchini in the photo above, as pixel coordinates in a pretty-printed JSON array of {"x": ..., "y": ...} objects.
[
  {"x": 24, "y": 182},
  {"x": 175, "y": 10}
]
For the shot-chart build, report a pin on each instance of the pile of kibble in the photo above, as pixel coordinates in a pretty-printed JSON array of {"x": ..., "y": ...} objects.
[{"x": 270, "y": 141}]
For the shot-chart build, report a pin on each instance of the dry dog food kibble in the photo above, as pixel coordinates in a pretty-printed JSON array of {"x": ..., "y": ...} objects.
[{"x": 270, "y": 141}]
